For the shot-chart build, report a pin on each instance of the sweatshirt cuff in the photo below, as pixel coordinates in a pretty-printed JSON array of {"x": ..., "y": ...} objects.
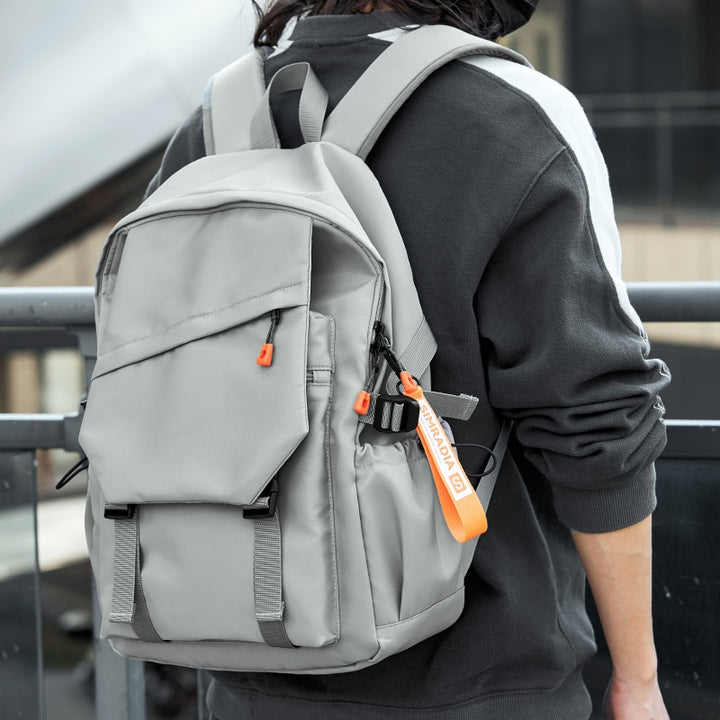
[{"x": 631, "y": 499}]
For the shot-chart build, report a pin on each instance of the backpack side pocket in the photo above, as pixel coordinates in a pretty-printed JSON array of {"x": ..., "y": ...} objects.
[{"x": 413, "y": 560}]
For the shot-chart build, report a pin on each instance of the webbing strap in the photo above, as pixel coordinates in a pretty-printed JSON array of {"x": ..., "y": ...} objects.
[
  {"x": 455, "y": 407},
  {"x": 369, "y": 105},
  {"x": 487, "y": 484},
  {"x": 311, "y": 110},
  {"x": 122, "y": 608},
  {"x": 128, "y": 603},
  {"x": 416, "y": 357},
  {"x": 363, "y": 113},
  {"x": 458, "y": 407},
  {"x": 267, "y": 581}
]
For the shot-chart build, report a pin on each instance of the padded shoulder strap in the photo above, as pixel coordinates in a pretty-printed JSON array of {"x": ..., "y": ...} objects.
[
  {"x": 235, "y": 92},
  {"x": 371, "y": 102},
  {"x": 231, "y": 98}
]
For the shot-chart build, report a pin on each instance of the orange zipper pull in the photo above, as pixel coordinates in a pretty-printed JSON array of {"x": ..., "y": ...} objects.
[
  {"x": 265, "y": 357},
  {"x": 362, "y": 403}
]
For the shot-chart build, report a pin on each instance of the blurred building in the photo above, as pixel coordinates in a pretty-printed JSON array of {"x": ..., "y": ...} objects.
[{"x": 96, "y": 94}]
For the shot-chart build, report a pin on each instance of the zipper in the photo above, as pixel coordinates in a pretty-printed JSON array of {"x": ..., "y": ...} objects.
[
  {"x": 113, "y": 256},
  {"x": 265, "y": 357},
  {"x": 381, "y": 348}
]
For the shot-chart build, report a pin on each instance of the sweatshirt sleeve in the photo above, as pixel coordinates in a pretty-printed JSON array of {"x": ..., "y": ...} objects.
[
  {"x": 185, "y": 146},
  {"x": 567, "y": 358}
]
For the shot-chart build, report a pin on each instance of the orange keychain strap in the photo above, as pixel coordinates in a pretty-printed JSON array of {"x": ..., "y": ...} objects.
[{"x": 463, "y": 511}]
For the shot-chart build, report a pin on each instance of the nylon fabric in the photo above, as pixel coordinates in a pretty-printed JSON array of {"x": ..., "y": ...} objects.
[
  {"x": 230, "y": 100},
  {"x": 416, "y": 357},
  {"x": 360, "y": 117},
  {"x": 267, "y": 581},
  {"x": 486, "y": 486},
  {"x": 455, "y": 407},
  {"x": 458, "y": 407},
  {"x": 357, "y": 562},
  {"x": 123, "y": 594},
  {"x": 311, "y": 109},
  {"x": 128, "y": 599}
]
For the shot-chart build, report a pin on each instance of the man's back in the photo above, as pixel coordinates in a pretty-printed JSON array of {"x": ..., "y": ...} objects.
[{"x": 500, "y": 195}]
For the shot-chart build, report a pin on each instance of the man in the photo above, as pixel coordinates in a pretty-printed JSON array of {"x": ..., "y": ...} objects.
[{"x": 502, "y": 198}]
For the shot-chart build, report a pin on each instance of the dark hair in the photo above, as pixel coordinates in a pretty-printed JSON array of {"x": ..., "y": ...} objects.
[{"x": 478, "y": 17}]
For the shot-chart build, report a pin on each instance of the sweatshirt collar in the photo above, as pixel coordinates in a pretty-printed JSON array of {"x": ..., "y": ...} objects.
[{"x": 337, "y": 27}]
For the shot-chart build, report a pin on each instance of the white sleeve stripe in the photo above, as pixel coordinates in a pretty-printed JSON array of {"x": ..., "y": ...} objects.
[{"x": 566, "y": 114}]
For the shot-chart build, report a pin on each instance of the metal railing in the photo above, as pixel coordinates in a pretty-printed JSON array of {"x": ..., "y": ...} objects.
[{"x": 62, "y": 317}]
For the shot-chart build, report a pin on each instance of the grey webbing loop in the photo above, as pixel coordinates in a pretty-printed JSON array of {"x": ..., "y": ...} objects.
[
  {"x": 457, "y": 407},
  {"x": 122, "y": 608},
  {"x": 416, "y": 357},
  {"x": 267, "y": 581},
  {"x": 128, "y": 598},
  {"x": 487, "y": 484},
  {"x": 311, "y": 112},
  {"x": 370, "y": 104},
  {"x": 142, "y": 624}
]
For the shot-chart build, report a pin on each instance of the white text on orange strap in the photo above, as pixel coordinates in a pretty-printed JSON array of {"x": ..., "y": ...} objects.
[{"x": 442, "y": 453}]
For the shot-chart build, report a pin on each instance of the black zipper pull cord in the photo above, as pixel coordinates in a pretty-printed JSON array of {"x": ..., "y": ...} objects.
[
  {"x": 492, "y": 459},
  {"x": 383, "y": 347},
  {"x": 266, "y": 351},
  {"x": 76, "y": 469}
]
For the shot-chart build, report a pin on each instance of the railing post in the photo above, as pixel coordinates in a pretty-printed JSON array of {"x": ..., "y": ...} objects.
[
  {"x": 202, "y": 686},
  {"x": 21, "y": 660},
  {"x": 119, "y": 682}
]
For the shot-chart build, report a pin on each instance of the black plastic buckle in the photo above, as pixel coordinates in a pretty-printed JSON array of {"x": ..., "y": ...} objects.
[
  {"x": 386, "y": 418},
  {"x": 265, "y": 505},
  {"x": 119, "y": 512}
]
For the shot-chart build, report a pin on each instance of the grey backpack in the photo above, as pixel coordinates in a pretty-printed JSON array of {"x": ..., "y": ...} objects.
[{"x": 258, "y": 496}]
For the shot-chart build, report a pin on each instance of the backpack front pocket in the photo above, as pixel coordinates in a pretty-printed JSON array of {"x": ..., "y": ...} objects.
[
  {"x": 184, "y": 408},
  {"x": 187, "y": 429}
]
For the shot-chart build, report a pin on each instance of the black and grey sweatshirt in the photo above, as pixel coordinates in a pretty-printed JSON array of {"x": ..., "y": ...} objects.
[{"x": 502, "y": 197}]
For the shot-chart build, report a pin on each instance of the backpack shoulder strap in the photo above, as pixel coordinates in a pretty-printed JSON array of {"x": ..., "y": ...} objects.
[
  {"x": 357, "y": 121},
  {"x": 230, "y": 100},
  {"x": 234, "y": 93}
]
